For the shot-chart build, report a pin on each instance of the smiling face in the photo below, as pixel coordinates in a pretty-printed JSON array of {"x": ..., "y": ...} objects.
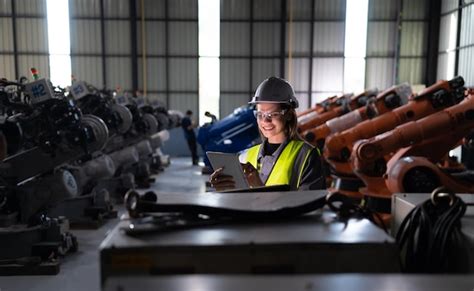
[{"x": 273, "y": 129}]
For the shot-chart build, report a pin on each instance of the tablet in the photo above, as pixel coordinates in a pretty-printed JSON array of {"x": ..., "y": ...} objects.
[{"x": 231, "y": 164}]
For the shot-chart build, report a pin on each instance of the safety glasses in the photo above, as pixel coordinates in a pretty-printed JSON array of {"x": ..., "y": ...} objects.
[{"x": 260, "y": 115}]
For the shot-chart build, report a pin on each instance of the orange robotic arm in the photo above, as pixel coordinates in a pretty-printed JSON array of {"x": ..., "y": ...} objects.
[
  {"x": 345, "y": 105},
  {"x": 442, "y": 94},
  {"x": 389, "y": 99},
  {"x": 320, "y": 107},
  {"x": 431, "y": 137},
  {"x": 451, "y": 124}
]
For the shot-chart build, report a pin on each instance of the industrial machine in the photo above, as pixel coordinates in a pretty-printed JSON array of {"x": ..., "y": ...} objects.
[
  {"x": 135, "y": 148},
  {"x": 338, "y": 147},
  {"x": 92, "y": 101},
  {"x": 60, "y": 159},
  {"x": 42, "y": 131},
  {"x": 323, "y": 106},
  {"x": 340, "y": 106},
  {"x": 231, "y": 134},
  {"x": 385, "y": 101},
  {"x": 409, "y": 158}
]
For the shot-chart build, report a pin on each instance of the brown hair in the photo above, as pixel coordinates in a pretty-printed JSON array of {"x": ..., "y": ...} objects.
[{"x": 290, "y": 123}]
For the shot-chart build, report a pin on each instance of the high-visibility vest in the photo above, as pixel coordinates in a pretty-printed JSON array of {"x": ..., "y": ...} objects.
[{"x": 285, "y": 169}]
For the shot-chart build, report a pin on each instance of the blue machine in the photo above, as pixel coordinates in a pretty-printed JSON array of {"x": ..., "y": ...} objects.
[{"x": 232, "y": 134}]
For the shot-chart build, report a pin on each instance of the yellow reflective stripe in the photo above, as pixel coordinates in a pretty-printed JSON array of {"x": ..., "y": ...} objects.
[
  {"x": 281, "y": 173},
  {"x": 302, "y": 167},
  {"x": 252, "y": 155}
]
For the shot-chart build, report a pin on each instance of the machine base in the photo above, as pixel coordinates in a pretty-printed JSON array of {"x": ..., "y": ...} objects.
[{"x": 35, "y": 250}]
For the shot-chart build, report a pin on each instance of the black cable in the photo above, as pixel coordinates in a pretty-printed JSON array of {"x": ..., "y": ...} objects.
[{"x": 430, "y": 237}]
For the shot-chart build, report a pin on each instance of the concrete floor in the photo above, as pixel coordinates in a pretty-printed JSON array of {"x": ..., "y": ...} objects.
[{"x": 81, "y": 271}]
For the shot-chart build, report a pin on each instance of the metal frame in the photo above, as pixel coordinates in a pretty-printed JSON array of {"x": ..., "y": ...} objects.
[
  {"x": 15, "y": 41},
  {"x": 135, "y": 54},
  {"x": 396, "y": 65},
  {"x": 167, "y": 56},
  {"x": 102, "y": 41},
  {"x": 461, "y": 4},
  {"x": 458, "y": 37},
  {"x": 396, "y": 54},
  {"x": 421, "y": 57},
  {"x": 311, "y": 56},
  {"x": 433, "y": 42},
  {"x": 251, "y": 57},
  {"x": 458, "y": 48},
  {"x": 250, "y": 50},
  {"x": 283, "y": 55},
  {"x": 431, "y": 57},
  {"x": 16, "y": 53},
  {"x": 325, "y": 56},
  {"x": 134, "y": 38}
]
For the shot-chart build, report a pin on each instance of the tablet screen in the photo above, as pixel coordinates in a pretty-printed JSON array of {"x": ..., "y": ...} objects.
[{"x": 231, "y": 164}]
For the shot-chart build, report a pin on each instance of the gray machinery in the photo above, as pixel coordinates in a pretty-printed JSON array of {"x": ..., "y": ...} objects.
[
  {"x": 41, "y": 131},
  {"x": 156, "y": 245},
  {"x": 89, "y": 201},
  {"x": 133, "y": 144},
  {"x": 99, "y": 172},
  {"x": 146, "y": 134}
]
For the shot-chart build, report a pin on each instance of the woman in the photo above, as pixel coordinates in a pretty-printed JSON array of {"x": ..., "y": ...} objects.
[{"x": 282, "y": 157}]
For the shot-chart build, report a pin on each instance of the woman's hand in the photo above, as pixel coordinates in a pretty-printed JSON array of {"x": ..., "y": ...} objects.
[
  {"x": 253, "y": 178},
  {"x": 220, "y": 181}
]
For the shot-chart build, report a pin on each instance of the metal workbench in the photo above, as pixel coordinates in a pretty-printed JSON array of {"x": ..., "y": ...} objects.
[{"x": 315, "y": 243}]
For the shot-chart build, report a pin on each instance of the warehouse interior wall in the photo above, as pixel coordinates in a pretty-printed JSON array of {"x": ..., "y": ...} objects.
[
  {"x": 456, "y": 40},
  {"x": 114, "y": 46},
  {"x": 158, "y": 56},
  {"x": 382, "y": 50},
  {"x": 413, "y": 42},
  {"x": 302, "y": 41},
  {"x": 24, "y": 38}
]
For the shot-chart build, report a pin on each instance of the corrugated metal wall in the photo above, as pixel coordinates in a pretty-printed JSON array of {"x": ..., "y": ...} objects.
[
  {"x": 87, "y": 49},
  {"x": 31, "y": 43},
  {"x": 250, "y": 48},
  {"x": 413, "y": 42},
  {"x": 316, "y": 68},
  {"x": 328, "y": 49},
  {"x": 7, "y": 64},
  {"x": 456, "y": 42},
  {"x": 382, "y": 36},
  {"x": 101, "y": 43},
  {"x": 106, "y": 47},
  {"x": 252, "y": 32},
  {"x": 393, "y": 55},
  {"x": 32, "y": 37},
  {"x": 447, "y": 39},
  {"x": 171, "y": 40},
  {"x": 466, "y": 49},
  {"x": 256, "y": 38}
]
